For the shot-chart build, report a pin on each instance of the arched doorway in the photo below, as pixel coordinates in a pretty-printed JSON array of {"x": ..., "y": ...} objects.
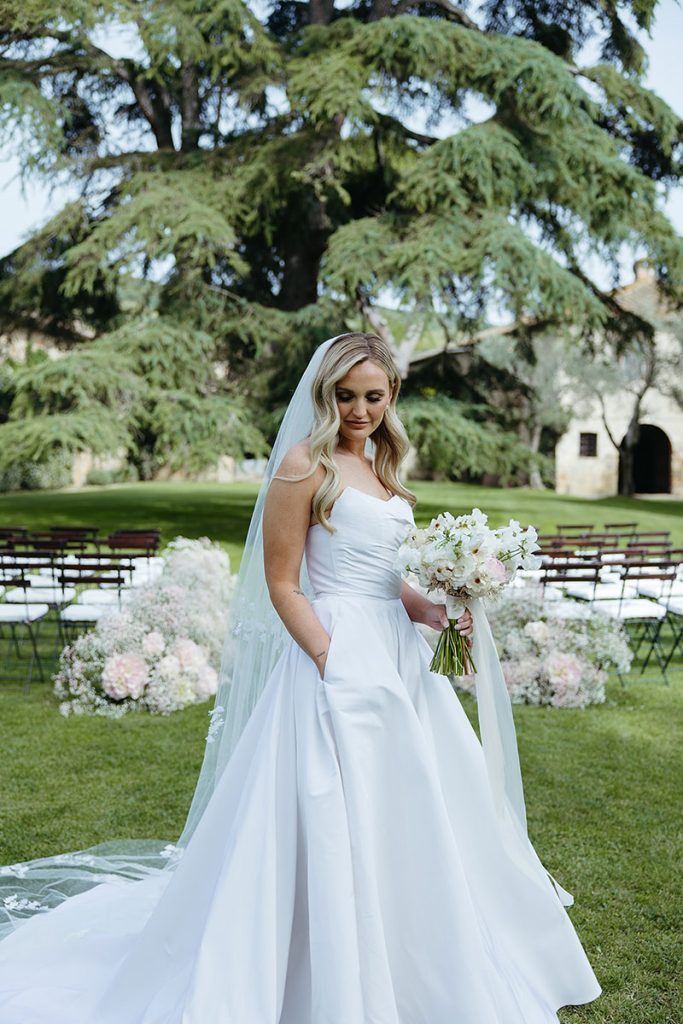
[{"x": 651, "y": 461}]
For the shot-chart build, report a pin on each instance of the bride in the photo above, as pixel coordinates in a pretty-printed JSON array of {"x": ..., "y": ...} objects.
[{"x": 353, "y": 853}]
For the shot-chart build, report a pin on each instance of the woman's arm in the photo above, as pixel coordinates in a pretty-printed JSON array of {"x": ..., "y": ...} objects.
[
  {"x": 286, "y": 516},
  {"x": 420, "y": 609}
]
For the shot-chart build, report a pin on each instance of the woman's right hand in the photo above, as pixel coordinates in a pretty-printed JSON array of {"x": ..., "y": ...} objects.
[{"x": 321, "y": 661}]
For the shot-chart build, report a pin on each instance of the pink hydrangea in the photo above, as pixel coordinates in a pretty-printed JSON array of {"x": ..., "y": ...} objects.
[
  {"x": 537, "y": 631},
  {"x": 568, "y": 697},
  {"x": 564, "y": 673},
  {"x": 190, "y": 655},
  {"x": 124, "y": 675},
  {"x": 206, "y": 683},
  {"x": 564, "y": 669},
  {"x": 169, "y": 667},
  {"x": 153, "y": 644}
]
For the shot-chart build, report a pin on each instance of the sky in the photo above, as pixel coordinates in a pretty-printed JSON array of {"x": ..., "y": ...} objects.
[{"x": 25, "y": 207}]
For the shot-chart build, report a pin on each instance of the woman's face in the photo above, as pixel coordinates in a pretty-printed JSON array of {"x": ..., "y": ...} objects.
[{"x": 362, "y": 396}]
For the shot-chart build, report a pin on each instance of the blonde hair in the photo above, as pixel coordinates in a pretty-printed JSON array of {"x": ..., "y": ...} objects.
[{"x": 390, "y": 438}]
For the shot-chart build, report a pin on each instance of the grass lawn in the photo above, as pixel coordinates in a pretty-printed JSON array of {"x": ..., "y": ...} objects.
[{"x": 603, "y": 785}]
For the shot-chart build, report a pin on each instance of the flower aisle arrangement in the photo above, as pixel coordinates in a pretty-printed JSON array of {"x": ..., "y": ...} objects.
[
  {"x": 457, "y": 559},
  {"x": 548, "y": 660},
  {"x": 162, "y": 650},
  {"x": 551, "y": 660}
]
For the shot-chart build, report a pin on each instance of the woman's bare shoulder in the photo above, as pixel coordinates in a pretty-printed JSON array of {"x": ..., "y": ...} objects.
[{"x": 297, "y": 461}]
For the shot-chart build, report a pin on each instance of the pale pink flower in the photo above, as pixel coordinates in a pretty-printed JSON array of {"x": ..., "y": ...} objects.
[
  {"x": 206, "y": 683},
  {"x": 153, "y": 644},
  {"x": 537, "y": 631},
  {"x": 169, "y": 667},
  {"x": 190, "y": 655},
  {"x": 124, "y": 675},
  {"x": 564, "y": 669},
  {"x": 495, "y": 570}
]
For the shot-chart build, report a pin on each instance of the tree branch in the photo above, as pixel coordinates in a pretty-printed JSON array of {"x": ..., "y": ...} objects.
[
  {"x": 378, "y": 324},
  {"x": 320, "y": 12},
  {"x": 454, "y": 13},
  {"x": 393, "y": 124},
  {"x": 154, "y": 103}
]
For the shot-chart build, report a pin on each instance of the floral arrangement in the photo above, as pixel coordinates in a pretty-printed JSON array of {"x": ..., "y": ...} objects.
[
  {"x": 549, "y": 660},
  {"x": 162, "y": 650},
  {"x": 456, "y": 559}
]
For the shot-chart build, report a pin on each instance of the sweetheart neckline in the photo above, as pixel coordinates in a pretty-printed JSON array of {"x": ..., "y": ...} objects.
[{"x": 383, "y": 501}]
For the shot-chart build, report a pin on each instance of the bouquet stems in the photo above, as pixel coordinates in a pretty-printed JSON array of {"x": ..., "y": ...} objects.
[{"x": 452, "y": 655}]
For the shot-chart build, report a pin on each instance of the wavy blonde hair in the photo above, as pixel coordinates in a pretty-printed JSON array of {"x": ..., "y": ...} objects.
[{"x": 390, "y": 438}]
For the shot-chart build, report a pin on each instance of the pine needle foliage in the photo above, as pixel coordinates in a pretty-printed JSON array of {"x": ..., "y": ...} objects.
[
  {"x": 276, "y": 171},
  {"x": 450, "y": 438}
]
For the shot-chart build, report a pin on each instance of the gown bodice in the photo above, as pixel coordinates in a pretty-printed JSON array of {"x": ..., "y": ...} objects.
[{"x": 360, "y": 557}]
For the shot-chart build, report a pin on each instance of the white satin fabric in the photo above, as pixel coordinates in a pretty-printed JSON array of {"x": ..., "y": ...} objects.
[{"x": 351, "y": 866}]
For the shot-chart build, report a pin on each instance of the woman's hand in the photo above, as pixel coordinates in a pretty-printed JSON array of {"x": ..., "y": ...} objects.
[
  {"x": 434, "y": 615},
  {"x": 321, "y": 661}
]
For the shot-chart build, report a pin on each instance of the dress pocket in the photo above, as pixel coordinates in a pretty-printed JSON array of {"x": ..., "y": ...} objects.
[{"x": 330, "y": 652}]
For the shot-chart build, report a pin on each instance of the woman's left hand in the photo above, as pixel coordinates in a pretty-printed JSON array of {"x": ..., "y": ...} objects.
[{"x": 436, "y": 617}]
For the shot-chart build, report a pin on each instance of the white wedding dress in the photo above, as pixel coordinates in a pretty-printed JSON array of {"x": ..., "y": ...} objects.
[{"x": 350, "y": 867}]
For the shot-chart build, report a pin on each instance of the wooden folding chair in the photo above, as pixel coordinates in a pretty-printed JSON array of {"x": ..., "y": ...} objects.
[
  {"x": 15, "y": 615},
  {"x": 642, "y": 617},
  {"x": 574, "y": 528}
]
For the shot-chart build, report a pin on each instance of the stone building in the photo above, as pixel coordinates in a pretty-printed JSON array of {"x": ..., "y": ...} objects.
[{"x": 586, "y": 459}]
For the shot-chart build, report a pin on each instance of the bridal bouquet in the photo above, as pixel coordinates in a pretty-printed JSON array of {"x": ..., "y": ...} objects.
[{"x": 457, "y": 559}]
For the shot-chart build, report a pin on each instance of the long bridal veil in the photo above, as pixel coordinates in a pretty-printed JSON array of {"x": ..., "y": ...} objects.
[{"x": 254, "y": 640}]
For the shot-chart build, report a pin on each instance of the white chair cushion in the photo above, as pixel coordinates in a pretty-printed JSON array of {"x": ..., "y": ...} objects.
[
  {"x": 657, "y": 588},
  {"x": 53, "y": 595},
  {"x": 83, "y": 612},
  {"x": 570, "y": 610},
  {"x": 585, "y": 591},
  {"x": 105, "y": 597},
  {"x": 155, "y": 560},
  {"x": 22, "y": 612},
  {"x": 42, "y": 579},
  {"x": 640, "y": 608}
]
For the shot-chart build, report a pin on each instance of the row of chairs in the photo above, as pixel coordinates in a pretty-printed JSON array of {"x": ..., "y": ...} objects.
[
  {"x": 611, "y": 535},
  {"x": 80, "y": 538},
  {"x": 640, "y": 588},
  {"x": 58, "y": 576},
  {"x": 586, "y": 529}
]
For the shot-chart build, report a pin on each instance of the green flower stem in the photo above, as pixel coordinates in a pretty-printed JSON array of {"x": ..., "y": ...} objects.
[{"x": 452, "y": 656}]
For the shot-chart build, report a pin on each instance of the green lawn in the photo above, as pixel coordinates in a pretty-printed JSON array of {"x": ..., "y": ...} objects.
[
  {"x": 222, "y": 511},
  {"x": 603, "y": 785}
]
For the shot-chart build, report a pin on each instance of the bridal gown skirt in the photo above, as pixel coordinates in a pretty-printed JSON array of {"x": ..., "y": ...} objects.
[{"x": 350, "y": 867}]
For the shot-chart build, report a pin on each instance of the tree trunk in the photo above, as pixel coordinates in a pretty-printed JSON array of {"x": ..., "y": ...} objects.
[
  {"x": 627, "y": 480},
  {"x": 304, "y": 239},
  {"x": 155, "y": 106},
  {"x": 320, "y": 11},
  {"x": 190, "y": 108},
  {"x": 535, "y": 478},
  {"x": 380, "y": 9}
]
